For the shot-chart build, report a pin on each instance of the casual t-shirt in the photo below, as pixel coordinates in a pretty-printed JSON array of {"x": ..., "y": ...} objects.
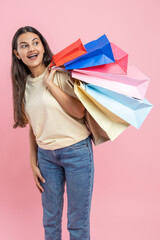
[{"x": 52, "y": 126}]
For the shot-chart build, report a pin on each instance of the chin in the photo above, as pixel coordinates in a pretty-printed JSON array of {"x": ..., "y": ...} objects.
[{"x": 34, "y": 65}]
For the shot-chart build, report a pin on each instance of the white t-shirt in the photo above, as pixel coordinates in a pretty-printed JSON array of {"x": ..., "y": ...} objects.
[{"x": 52, "y": 126}]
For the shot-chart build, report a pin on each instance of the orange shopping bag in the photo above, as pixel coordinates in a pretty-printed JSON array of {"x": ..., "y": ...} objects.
[{"x": 71, "y": 52}]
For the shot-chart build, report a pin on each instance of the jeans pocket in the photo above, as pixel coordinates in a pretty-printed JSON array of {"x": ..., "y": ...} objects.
[{"x": 90, "y": 148}]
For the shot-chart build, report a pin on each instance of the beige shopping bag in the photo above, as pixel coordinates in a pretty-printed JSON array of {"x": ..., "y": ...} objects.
[{"x": 112, "y": 125}]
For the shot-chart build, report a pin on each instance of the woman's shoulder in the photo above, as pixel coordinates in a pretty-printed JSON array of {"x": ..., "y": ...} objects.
[
  {"x": 65, "y": 82},
  {"x": 62, "y": 76},
  {"x": 62, "y": 79}
]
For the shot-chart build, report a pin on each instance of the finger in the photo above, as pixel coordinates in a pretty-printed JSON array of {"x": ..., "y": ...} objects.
[
  {"x": 46, "y": 74},
  {"x": 41, "y": 178},
  {"x": 39, "y": 189},
  {"x": 48, "y": 65},
  {"x": 39, "y": 175},
  {"x": 52, "y": 73},
  {"x": 38, "y": 184},
  {"x": 53, "y": 69},
  {"x": 54, "y": 66}
]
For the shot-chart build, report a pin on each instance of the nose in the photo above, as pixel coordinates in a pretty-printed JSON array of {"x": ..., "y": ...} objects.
[{"x": 30, "y": 48}]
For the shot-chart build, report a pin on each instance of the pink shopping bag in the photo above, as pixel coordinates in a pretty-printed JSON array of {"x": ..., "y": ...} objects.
[
  {"x": 117, "y": 67},
  {"x": 133, "y": 84}
]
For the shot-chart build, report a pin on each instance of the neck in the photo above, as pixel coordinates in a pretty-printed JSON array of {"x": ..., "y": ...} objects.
[{"x": 37, "y": 71}]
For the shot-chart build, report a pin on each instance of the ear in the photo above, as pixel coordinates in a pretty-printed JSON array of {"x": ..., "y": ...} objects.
[{"x": 16, "y": 53}]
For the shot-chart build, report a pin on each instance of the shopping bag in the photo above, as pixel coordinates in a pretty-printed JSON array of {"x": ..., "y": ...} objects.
[
  {"x": 99, "y": 52},
  {"x": 134, "y": 84},
  {"x": 118, "y": 67},
  {"x": 134, "y": 111},
  {"x": 71, "y": 52},
  {"x": 109, "y": 122},
  {"x": 98, "y": 135}
]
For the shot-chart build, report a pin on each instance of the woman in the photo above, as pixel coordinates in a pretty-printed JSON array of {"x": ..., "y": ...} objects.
[{"x": 60, "y": 142}]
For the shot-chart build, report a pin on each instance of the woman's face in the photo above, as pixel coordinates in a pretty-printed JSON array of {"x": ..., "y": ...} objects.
[{"x": 30, "y": 49}]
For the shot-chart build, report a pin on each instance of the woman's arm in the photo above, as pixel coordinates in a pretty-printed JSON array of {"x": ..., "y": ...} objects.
[
  {"x": 33, "y": 148},
  {"x": 33, "y": 160},
  {"x": 70, "y": 104}
]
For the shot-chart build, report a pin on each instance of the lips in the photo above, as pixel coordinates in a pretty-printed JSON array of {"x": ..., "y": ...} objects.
[{"x": 33, "y": 56}]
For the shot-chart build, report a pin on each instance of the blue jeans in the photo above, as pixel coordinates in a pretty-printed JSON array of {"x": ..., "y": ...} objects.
[{"x": 74, "y": 165}]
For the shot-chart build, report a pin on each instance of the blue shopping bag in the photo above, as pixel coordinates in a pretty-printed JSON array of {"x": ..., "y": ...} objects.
[
  {"x": 132, "y": 110},
  {"x": 99, "y": 52}
]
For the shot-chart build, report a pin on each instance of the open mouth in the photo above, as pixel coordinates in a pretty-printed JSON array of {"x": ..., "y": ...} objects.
[{"x": 33, "y": 56}]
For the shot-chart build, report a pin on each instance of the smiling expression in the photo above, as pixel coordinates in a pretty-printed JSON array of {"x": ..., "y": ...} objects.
[{"x": 30, "y": 49}]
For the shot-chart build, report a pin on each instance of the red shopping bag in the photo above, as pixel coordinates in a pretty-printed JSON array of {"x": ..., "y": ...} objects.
[{"x": 71, "y": 52}]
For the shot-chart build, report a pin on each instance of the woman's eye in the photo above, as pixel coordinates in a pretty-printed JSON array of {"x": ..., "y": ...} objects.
[{"x": 35, "y": 43}]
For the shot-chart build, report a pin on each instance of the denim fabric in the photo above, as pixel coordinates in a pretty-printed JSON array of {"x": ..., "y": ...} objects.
[{"x": 73, "y": 165}]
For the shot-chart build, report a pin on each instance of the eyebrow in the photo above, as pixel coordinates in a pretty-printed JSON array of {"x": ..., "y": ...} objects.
[{"x": 32, "y": 40}]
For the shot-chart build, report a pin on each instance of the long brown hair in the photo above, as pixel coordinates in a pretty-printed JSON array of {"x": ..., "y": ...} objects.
[{"x": 19, "y": 71}]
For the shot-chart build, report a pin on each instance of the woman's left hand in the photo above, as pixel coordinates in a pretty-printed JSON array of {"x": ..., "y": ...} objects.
[
  {"x": 70, "y": 104},
  {"x": 49, "y": 75}
]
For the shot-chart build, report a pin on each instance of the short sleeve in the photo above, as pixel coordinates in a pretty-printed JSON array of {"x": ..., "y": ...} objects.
[{"x": 66, "y": 83}]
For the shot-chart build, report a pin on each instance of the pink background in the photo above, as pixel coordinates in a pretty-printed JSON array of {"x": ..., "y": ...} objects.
[{"x": 126, "y": 195}]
